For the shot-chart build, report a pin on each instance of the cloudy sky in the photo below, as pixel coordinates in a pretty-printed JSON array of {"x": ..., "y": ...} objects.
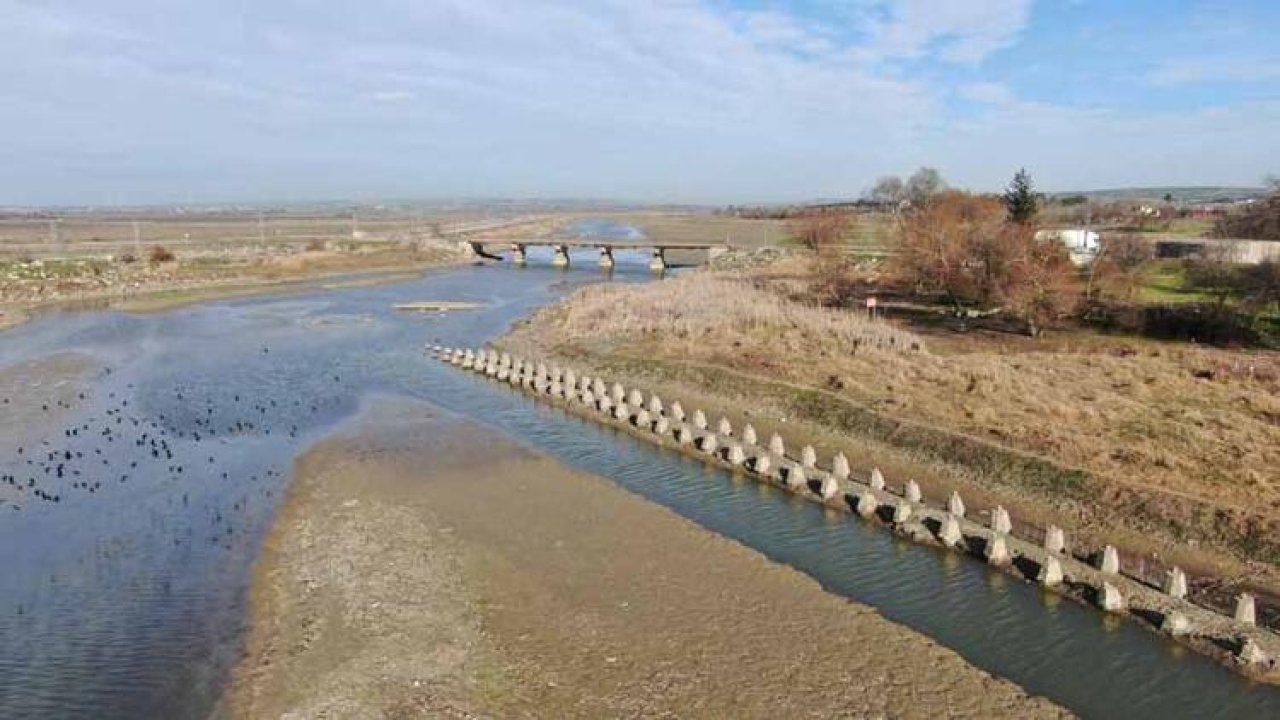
[{"x": 131, "y": 101}]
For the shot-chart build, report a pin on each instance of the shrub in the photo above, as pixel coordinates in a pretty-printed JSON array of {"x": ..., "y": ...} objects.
[{"x": 160, "y": 254}]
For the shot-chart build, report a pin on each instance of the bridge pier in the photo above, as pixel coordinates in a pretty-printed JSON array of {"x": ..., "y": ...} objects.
[
  {"x": 517, "y": 254},
  {"x": 606, "y": 257},
  {"x": 561, "y": 259},
  {"x": 658, "y": 263}
]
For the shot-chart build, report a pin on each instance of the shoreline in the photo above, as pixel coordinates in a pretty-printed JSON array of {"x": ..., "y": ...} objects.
[
  {"x": 1243, "y": 647},
  {"x": 162, "y": 298},
  {"x": 398, "y": 577}
]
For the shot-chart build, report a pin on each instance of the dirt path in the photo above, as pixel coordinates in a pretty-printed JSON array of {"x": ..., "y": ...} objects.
[{"x": 423, "y": 567}]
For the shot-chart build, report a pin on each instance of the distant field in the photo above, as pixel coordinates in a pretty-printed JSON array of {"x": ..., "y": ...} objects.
[
  {"x": 84, "y": 235},
  {"x": 705, "y": 227}
]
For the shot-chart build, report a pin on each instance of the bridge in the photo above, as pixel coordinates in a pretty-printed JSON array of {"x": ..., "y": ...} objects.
[{"x": 657, "y": 260}]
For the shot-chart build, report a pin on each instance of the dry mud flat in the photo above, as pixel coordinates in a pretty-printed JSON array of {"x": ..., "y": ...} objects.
[{"x": 425, "y": 567}]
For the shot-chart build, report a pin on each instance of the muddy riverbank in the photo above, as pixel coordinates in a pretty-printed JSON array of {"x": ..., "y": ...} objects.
[{"x": 424, "y": 566}]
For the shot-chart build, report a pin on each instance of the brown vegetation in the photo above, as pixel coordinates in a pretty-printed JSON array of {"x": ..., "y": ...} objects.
[
  {"x": 963, "y": 248},
  {"x": 1257, "y": 221},
  {"x": 1186, "y": 439}
]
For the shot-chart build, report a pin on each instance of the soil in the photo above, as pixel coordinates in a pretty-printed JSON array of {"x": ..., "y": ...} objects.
[{"x": 422, "y": 566}]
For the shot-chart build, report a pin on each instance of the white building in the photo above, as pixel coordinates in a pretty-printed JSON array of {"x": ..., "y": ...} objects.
[{"x": 1080, "y": 243}]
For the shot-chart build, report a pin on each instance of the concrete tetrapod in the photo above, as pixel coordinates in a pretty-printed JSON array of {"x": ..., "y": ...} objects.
[
  {"x": 901, "y": 512},
  {"x": 1000, "y": 521},
  {"x": 655, "y": 405},
  {"x": 1251, "y": 654},
  {"x": 830, "y": 487},
  {"x": 808, "y": 457},
  {"x": 795, "y": 478},
  {"x": 762, "y": 465},
  {"x": 677, "y": 412},
  {"x": 635, "y": 398},
  {"x": 735, "y": 455},
  {"x": 724, "y": 427},
  {"x": 949, "y": 534},
  {"x": 1175, "y": 583},
  {"x": 684, "y": 435},
  {"x": 618, "y": 393},
  {"x": 1246, "y": 609},
  {"x": 708, "y": 443},
  {"x": 662, "y": 426},
  {"x": 776, "y": 446},
  {"x": 1110, "y": 562},
  {"x": 955, "y": 505},
  {"x": 867, "y": 503},
  {"x": 622, "y": 412},
  {"x": 1175, "y": 623},
  {"x": 840, "y": 466},
  {"x": 643, "y": 419},
  {"x": 699, "y": 419},
  {"x": 749, "y": 436},
  {"x": 997, "y": 550},
  {"x": 1110, "y": 599},
  {"x": 877, "y": 479},
  {"x": 1055, "y": 541},
  {"x": 913, "y": 493},
  {"x": 1050, "y": 574}
]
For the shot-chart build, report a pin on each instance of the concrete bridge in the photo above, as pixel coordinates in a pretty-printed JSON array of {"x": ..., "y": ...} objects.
[{"x": 657, "y": 261}]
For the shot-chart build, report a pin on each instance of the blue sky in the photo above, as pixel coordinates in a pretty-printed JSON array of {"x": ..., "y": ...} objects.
[{"x": 135, "y": 101}]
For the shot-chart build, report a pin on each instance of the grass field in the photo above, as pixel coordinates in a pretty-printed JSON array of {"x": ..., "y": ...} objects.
[{"x": 1172, "y": 441}]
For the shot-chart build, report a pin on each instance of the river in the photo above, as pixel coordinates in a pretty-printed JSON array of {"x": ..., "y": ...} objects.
[{"x": 126, "y": 596}]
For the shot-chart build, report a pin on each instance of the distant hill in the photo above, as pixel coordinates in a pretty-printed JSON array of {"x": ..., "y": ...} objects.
[{"x": 1206, "y": 194}]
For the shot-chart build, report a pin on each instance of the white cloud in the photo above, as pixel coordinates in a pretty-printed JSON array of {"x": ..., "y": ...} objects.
[{"x": 958, "y": 31}]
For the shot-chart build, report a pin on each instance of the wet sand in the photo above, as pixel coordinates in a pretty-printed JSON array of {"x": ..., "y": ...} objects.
[{"x": 422, "y": 566}]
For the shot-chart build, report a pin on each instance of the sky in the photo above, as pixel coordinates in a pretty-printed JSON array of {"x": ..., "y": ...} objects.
[{"x": 693, "y": 101}]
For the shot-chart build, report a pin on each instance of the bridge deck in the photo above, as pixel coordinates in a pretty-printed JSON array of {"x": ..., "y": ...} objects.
[{"x": 600, "y": 242}]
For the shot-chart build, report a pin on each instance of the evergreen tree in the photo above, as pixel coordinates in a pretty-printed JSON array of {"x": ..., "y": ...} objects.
[{"x": 1020, "y": 198}]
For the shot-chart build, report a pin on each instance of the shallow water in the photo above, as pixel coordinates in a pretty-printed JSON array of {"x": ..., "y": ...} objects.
[{"x": 128, "y": 601}]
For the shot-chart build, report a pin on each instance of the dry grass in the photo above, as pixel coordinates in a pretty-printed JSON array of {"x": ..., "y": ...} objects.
[
  {"x": 708, "y": 311},
  {"x": 1135, "y": 413}
]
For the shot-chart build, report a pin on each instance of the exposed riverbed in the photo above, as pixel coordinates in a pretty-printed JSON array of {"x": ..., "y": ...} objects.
[{"x": 126, "y": 596}]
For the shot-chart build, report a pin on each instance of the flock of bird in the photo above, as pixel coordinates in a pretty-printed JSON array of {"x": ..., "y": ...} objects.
[{"x": 118, "y": 443}]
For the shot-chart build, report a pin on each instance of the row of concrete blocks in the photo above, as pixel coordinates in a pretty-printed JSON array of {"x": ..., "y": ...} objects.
[{"x": 770, "y": 461}]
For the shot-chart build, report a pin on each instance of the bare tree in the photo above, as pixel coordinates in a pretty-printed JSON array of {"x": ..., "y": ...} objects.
[
  {"x": 817, "y": 230},
  {"x": 963, "y": 248}
]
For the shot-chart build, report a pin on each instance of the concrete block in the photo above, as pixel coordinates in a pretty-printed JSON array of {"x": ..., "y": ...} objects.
[
  {"x": 708, "y": 443},
  {"x": 1110, "y": 599},
  {"x": 830, "y": 487},
  {"x": 776, "y": 446},
  {"x": 867, "y": 503},
  {"x": 1050, "y": 574},
  {"x": 997, "y": 550},
  {"x": 1246, "y": 609},
  {"x": 1175, "y": 624},
  {"x": 677, "y": 412},
  {"x": 735, "y": 454},
  {"x": 912, "y": 492},
  {"x": 1110, "y": 561},
  {"x": 1055, "y": 541},
  {"x": 1000, "y": 521},
  {"x": 655, "y": 405},
  {"x": 1175, "y": 583},
  {"x": 840, "y": 466},
  {"x": 808, "y": 457},
  {"x": 949, "y": 533}
]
